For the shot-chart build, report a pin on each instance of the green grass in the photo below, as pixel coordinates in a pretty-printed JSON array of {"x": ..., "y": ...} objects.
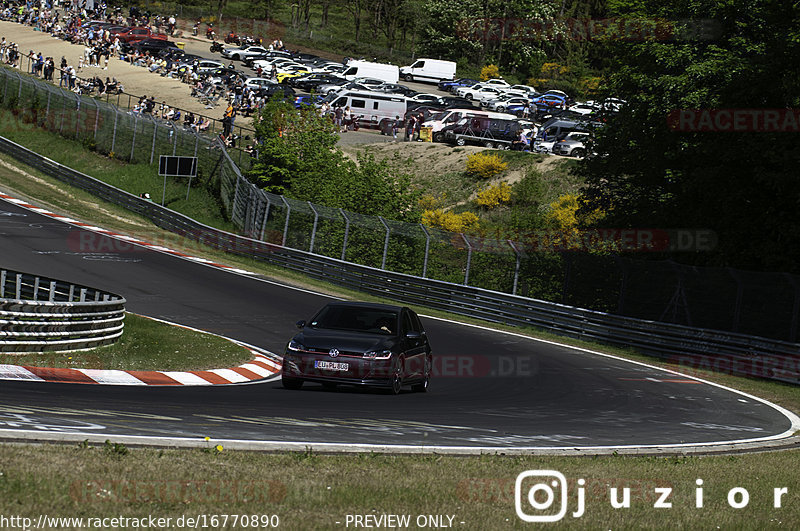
[
  {"x": 133, "y": 178},
  {"x": 146, "y": 345},
  {"x": 310, "y": 491}
]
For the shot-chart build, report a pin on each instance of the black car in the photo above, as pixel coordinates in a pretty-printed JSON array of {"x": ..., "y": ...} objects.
[
  {"x": 154, "y": 46},
  {"x": 361, "y": 344},
  {"x": 395, "y": 88},
  {"x": 310, "y": 82},
  {"x": 452, "y": 102},
  {"x": 277, "y": 90}
]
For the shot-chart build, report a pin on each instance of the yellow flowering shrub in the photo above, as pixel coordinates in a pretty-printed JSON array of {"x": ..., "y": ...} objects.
[
  {"x": 492, "y": 196},
  {"x": 489, "y": 72},
  {"x": 450, "y": 221},
  {"x": 485, "y": 165}
]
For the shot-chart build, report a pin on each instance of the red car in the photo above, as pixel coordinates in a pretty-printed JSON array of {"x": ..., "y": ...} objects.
[{"x": 131, "y": 35}]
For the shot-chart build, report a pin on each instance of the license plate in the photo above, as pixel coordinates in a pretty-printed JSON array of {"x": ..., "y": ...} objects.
[{"x": 331, "y": 365}]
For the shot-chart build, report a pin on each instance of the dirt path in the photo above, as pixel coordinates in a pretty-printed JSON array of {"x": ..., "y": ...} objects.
[{"x": 136, "y": 80}]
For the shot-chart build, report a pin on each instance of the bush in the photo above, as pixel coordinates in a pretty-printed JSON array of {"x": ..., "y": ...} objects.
[
  {"x": 485, "y": 165},
  {"x": 492, "y": 196},
  {"x": 489, "y": 72},
  {"x": 450, "y": 221}
]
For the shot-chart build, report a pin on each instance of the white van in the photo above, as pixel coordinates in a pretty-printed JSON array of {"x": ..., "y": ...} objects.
[
  {"x": 429, "y": 70},
  {"x": 370, "y": 107},
  {"x": 452, "y": 116},
  {"x": 384, "y": 72}
]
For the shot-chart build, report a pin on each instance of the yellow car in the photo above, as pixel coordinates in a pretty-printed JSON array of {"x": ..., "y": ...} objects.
[{"x": 287, "y": 74}]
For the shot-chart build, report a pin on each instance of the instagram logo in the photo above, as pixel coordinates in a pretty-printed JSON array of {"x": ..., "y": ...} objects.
[{"x": 541, "y": 497}]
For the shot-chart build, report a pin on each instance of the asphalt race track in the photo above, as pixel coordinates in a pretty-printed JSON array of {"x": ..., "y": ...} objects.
[{"x": 493, "y": 390}]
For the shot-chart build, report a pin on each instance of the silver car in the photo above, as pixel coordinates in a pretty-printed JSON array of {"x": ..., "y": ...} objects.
[{"x": 572, "y": 146}]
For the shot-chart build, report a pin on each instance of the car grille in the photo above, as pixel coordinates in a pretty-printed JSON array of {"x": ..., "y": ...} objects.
[{"x": 342, "y": 353}]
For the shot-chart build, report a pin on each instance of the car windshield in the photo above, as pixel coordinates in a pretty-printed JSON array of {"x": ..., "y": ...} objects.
[{"x": 355, "y": 318}]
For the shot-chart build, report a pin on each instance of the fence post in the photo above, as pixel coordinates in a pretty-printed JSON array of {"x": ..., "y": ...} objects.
[
  {"x": 235, "y": 197},
  {"x": 286, "y": 225},
  {"x": 174, "y": 134},
  {"x": 469, "y": 258},
  {"x": 153, "y": 148},
  {"x": 516, "y": 267},
  {"x": 47, "y": 110},
  {"x": 19, "y": 286},
  {"x": 96, "y": 118},
  {"x": 3, "y": 274},
  {"x": 427, "y": 250},
  {"x": 196, "y": 143},
  {"x": 314, "y": 228},
  {"x": 78, "y": 117},
  {"x": 133, "y": 141},
  {"x": 114, "y": 133},
  {"x": 266, "y": 217},
  {"x": 346, "y": 232},
  {"x": 385, "y": 243},
  {"x": 63, "y": 113}
]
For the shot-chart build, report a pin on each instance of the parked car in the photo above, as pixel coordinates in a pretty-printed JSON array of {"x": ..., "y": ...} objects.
[
  {"x": 310, "y": 82},
  {"x": 450, "y": 86},
  {"x": 277, "y": 90},
  {"x": 207, "y": 65},
  {"x": 334, "y": 88},
  {"x": 267, "y": 56},
  {"x": 426, "y": 98},
  {"x": 482, "y": 130},
  {"x": 585, "y": 108},
  {"x": 502, "y": 103},
  {"x": 550, "y": 100},
  {"x": 478, "y": 92},
  {"x": 258, "y": 82},
  {"x": 154, "y": 46},
  {"x": 310, "y": 100},
  {"x": 573, "y": 145},
  {"x": 394, "y": 88},
  {"x": 362, "y": 344},
  {"x": 452, "y": 101},
  {"x": 131, "y": 35},
  {"x": 240, "y": 53}
]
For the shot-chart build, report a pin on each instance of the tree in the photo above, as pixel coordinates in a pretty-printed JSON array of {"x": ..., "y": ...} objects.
[
  {"x": 297, "y": 157},
  {"x": 649, "y": 173}
]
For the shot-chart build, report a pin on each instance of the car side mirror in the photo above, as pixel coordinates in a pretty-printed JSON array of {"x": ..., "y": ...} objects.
[
  {"x": 300, "y": 324},
  {"x": 413, "y": 335}
]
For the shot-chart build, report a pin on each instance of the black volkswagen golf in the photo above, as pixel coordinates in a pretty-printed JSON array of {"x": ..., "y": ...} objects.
[{"x": 357, "y": 343}]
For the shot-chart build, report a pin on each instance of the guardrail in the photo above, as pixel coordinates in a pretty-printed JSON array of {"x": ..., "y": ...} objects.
[
  {"x": 692, "y": 347},
  {"x": 42, "y": 314}
]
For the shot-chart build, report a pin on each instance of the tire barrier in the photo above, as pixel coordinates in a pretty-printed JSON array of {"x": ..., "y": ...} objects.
[{"x": 40, "y": 314}]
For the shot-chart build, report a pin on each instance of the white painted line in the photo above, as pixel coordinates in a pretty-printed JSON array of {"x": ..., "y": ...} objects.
[
  {"x": 111, "y": 377},
  {"x": 15, "y": 372},
  {"x": 231, "y": 376},
  {"x": 261, "y": 371},
  {"x": 186, "y": 378}
]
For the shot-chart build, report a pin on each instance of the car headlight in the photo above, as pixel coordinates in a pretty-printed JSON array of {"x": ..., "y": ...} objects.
[
  {"x": 378, "y": 354},
  {"x": 295, "y": 346}
]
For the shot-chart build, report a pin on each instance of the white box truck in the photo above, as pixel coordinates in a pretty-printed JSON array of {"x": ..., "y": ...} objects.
[
  {"x": 384, "y": 72},
  {"x": 433, "y": 70}
]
